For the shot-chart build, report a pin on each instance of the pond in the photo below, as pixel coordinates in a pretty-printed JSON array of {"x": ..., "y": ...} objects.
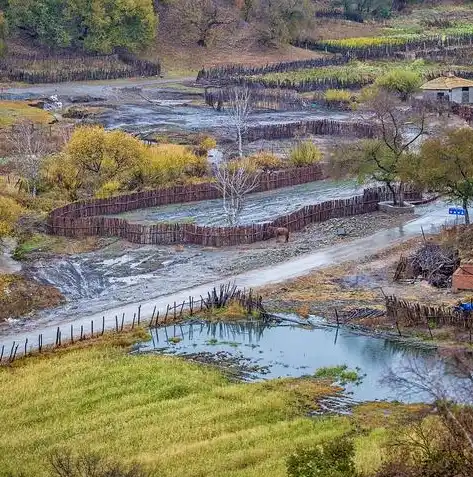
[{"x": 273, "y": 351}]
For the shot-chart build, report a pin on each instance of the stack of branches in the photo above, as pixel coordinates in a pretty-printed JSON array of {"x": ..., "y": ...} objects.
[
  {"x": 435, "y": 263},
  {"x": 229, "y": 293}
]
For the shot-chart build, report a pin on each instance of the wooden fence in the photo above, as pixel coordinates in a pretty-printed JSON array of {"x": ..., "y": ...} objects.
[
  {"x": 315, "y": 127},
  {"x": 52, "y": 69},
  {"x": 409, "y": 314},
  {"x": 75, "y": 225},
  {"x": 228, "y": 72},
  {"x": 180, "y": 194},
  {"x": 389, "y": 50},
  {"x": 174, "y": 314},
  {"x": 260, "y": 98}
]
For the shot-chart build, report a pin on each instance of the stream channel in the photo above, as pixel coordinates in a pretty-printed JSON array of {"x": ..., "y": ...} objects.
[{"x": 258, "y": 351}]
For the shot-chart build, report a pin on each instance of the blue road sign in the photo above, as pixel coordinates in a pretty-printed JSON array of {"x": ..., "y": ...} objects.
[{"x": 456, "y": 211}]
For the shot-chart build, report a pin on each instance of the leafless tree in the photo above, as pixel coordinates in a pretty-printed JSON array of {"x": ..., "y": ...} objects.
[
  {"x": 203, "y": 16},
  {"x": 29, "y": 145},
  {"x": 238, "y": 110},
  {"x": 234, "y": 184},
  {"x": 448, "y": 384}
]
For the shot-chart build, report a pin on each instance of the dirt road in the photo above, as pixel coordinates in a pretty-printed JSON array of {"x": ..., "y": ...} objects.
[{"x": 434, "y": 216}]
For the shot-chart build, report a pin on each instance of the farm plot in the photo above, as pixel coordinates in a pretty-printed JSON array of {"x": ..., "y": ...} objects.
[{"x": 259, "y": 208}]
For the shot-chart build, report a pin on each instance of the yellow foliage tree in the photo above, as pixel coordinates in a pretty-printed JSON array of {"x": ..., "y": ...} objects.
[
  {"x": 101, "y": 156},
  {"x": 10, "y": 212}
]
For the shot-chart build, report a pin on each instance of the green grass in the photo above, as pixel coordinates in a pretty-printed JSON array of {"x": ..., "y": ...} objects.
[
  {"x": 174, "y": 417},
  {"x": 361, "y": 71}
]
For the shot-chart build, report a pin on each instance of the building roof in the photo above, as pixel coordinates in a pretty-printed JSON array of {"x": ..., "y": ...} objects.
[{"x": 447, "y": 82}]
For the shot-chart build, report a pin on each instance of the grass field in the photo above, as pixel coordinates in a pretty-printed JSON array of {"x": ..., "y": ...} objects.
[
  {"x": 176, "y": 418},
  {"x": 12, "y": 112},
  {"x": 361, "y": 71}
]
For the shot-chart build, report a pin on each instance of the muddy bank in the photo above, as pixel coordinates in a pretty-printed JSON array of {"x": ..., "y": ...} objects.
[{"x": 357, "y": 291}]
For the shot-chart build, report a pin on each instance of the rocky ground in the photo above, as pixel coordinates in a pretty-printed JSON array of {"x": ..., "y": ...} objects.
[{"x": 313, "y": 237}]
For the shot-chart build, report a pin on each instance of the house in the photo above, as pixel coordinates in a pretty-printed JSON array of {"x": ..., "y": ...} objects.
[{"x": 450, "y": 88}]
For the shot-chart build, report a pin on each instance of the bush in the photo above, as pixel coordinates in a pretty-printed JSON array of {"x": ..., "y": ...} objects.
[
  {"x": 338, "y": 95},
  {"x": 204, "y": 144},
  {"x": 10, "y": 212},
  {"x": 399, "y": 81},
  {"x": 64, "y": 464},
  {"x": 108, "y": 189},
  {"x": 305, "y": 153},
  {"x": 265, "y": 161},
  {"x": 331, "y": 459},
  {"x": 170, "y": 163}
]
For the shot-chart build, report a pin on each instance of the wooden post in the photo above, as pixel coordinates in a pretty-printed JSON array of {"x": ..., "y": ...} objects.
[
  {"x": 133, "y": 324},
  {"x": 337, "y": 318},
  {"x": 175, "y": 311},
  {"x": 14, "y": 354},
  {"x": 152, "y": 317},
  {"x": 428, "y": 326},
  {"x": 72, "y": 334},
  {"x": 57, "y": 336},
  {"x": 139, "y": 315},
  {"x": 123, "y": 321},
  {"x": 116, "y": 322},
  {"x": 91, "y": 328},
  {"x": 26, "y": 346},
  {"x": 1, "y": 354},
  {"x": 81, "y": 332},
  {"x": 167, "y": 311},
  {"x": 40, "y": 342},
  {"x": 103, "y": 325}
]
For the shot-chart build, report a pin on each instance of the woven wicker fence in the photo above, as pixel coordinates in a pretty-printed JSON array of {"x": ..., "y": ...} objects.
[{"x": 74, "y": 224}]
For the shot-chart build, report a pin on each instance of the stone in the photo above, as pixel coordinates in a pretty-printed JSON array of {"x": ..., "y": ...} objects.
[{"x": 389, "y": 208}]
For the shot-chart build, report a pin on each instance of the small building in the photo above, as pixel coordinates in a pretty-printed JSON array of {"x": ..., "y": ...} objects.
[{"x": 449, "y": 88}]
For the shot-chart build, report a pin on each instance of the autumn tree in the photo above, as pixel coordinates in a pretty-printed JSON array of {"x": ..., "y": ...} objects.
[
  {"x": 95, "y": 25},
  {"x": 387, "y": 157},
  {"x": 445, "y": 165}
]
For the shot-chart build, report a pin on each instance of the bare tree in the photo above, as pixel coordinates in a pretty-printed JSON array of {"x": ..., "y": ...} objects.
[
  {"x": 203, "y": 16},
  {"x": 448, "y": 384},
  {"x": 234, "y": 184},
  {"x": 29, "y": 146},
  {"x": 238, "y": 110}
]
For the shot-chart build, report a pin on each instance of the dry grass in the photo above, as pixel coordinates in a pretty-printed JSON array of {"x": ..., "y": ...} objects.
[
  {"x": 174, "y": 417},
  {"x": 12, "y": 112},
  {"x": 20, "y": 296}
]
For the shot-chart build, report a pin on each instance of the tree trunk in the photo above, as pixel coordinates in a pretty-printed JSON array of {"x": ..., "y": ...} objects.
[
  {"x": 400, "y": 201},
  {"x": 467, "y": 214},
  {"x": 240, "y": 143},
  {"x": 393, "y": 192}
]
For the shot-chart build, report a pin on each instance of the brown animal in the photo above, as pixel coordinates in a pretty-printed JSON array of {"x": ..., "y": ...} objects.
[{"x": 281, "y": 232}]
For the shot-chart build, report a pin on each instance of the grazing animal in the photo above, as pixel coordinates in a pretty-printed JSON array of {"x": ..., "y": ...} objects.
[{"x": 281, "y": 232}]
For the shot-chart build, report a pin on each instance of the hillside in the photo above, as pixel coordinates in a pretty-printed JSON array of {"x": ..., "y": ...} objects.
[{"x": 185, "y": 35}]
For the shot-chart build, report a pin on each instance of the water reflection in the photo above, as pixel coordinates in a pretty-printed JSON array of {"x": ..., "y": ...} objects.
[{"x": 291, "y": 350}]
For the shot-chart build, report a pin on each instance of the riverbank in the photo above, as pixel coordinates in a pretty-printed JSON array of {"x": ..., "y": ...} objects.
[
  {"x": 174, "y": 417},
  {"x": 347, "y": 288}
]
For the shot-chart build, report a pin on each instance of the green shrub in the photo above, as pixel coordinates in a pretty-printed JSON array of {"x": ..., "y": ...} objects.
[
  {"x": 331, "y": 459},
  {"x": 399, "y": 81},
  {"x": 305, "y": 153},
  {"x": 338, "y": 95}
]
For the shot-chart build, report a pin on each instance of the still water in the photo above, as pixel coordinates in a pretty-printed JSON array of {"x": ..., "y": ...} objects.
[{"x": 273, "y": 351}]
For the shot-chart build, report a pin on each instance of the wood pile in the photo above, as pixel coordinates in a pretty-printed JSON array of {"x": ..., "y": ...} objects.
[{"x": 432, "y": 262}]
